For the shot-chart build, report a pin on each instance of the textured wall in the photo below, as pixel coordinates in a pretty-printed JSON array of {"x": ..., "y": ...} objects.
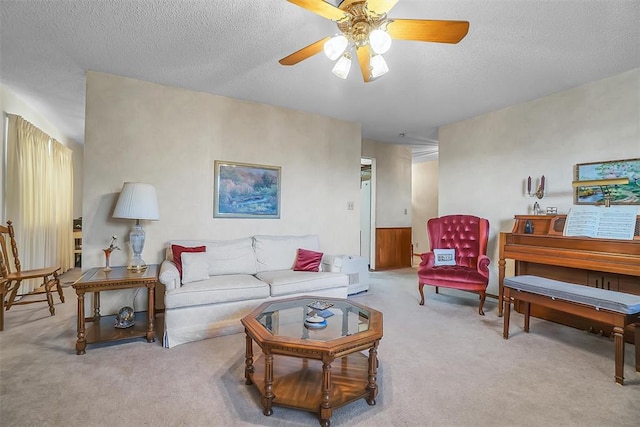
[
  {"x": 393, "y": 182},
  {"x": 484, "y": 161},
  {"x": 424, "y": 189},
  {"x": 170, "y": 137}
]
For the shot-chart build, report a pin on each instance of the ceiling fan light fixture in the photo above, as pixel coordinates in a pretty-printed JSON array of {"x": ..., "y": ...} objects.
[
  {"x": 365, "y": 30},
  {"x": 380, "y": 41},
  {"x": 335, "y": 46},
  {"x": 343, "y": 65},
  {"x": 378, "y": 66}
]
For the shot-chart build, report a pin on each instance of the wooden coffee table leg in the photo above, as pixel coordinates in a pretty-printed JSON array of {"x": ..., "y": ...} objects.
[
  {"x": 372, "y": 386},
  {"x": 325, "y": 406},
  {"x": 248, "y": 359},
  {"x": 81, "y": 344},
  {"x": 267, "y": 399}
]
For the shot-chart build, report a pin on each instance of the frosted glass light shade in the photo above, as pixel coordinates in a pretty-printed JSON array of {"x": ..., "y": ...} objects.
[
  {"x": 380, "y": 41},
  {"x": 137, "y": 201},
  {"x": 335, "y": 46},
  {"x": 378, "y": 66},
  {"x": 342, "y": 67}
]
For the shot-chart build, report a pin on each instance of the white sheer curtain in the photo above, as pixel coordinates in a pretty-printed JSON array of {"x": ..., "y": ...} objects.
[{"x": 39, "y": 197}]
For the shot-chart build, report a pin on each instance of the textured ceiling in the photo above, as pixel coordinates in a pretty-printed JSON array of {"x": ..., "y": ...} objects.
[{"x": 515, "y": 51}]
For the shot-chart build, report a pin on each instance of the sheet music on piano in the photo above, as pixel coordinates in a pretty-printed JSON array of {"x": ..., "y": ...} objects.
[{"x": 615, "y": 222}]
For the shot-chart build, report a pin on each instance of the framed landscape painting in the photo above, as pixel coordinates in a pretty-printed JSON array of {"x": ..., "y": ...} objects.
[
  {"x": 624, "y": 194},
  {"x": 243, "y": 190}
]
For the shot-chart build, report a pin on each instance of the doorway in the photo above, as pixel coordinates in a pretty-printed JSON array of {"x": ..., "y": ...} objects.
[{"x": 367, "y": 210}]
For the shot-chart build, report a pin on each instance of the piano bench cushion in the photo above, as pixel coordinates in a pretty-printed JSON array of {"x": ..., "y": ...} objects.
[{"x": 598, "y": 298}]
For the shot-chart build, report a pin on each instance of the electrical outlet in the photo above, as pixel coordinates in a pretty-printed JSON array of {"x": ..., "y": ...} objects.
[
  {"x": 350, "y": 206},
  {"x": 405, "y": 211}
]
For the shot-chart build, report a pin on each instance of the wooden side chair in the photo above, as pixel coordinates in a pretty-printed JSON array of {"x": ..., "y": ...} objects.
[{"x": 11, "y": 280}]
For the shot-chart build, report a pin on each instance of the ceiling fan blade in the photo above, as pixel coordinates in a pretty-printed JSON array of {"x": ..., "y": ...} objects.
[
  {"x": 364, "y": 56},
  {"x": 426, "y": 30},
  {"x": 381, "y": 6},
  {"x": 304, "y": 53},
  {"x": 320, "y": 7}
]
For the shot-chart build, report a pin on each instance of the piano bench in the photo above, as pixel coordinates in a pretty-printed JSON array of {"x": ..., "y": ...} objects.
[{"x": 610, "y": 307}]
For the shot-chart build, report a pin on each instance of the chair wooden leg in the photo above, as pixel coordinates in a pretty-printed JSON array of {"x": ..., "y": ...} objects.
[
  {"x": 420, "y": 286},
  {"x": 48, "y": 284},
  {"x": 437, "y": 291},
  {"x": 527, "y": 316},
  {"x": 58, "y": 286},
  {"x": 12, "y": 297},
  {"x": 483, "y": 295},
  {"x": 2, "y": 308},
  {"x": 52, "y": 309}
]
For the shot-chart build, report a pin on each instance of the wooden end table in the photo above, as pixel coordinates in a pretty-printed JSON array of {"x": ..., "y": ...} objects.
[
  {"x": 102, "y": 329},
  {"x": 297, "y": 371}
]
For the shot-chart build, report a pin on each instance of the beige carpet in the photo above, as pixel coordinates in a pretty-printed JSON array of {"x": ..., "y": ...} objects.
[{"x": 440, "y": 365}]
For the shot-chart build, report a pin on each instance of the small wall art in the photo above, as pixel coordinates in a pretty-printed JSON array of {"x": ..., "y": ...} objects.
[
  {"x": 623, "y": 194},
  {"x": 244, "y": 190}
]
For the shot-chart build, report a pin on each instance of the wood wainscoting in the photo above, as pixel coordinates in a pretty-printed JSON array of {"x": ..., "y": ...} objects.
[{"x": 393, "y": 247}]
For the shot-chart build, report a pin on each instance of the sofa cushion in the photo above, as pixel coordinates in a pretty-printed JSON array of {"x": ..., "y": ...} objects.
[
  {"x": 217, "y": 289},
  {"x": 286, "y": 282},
  {"x": 279, "y": 252},
  {"x": 307, "y": 260},
  {"x": 227, "y": 256},
  {"x": 194, "y": 267},
  {"x": 177, "y": 250}
]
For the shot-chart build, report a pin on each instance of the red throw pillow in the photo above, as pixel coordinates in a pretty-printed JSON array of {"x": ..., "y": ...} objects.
[
  {"x": 177, "y": 252},
  {"x": 307, "y": 260}
]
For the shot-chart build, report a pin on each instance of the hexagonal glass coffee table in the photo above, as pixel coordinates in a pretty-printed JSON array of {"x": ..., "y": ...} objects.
[{"x": 300, "y": 339}]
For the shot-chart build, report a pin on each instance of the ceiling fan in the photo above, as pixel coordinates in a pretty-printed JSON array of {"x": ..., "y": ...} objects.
[{"x": 364, "y": 25}]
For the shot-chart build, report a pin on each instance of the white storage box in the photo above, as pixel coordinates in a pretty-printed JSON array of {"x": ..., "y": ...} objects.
[{"x": 357, "y": 267}]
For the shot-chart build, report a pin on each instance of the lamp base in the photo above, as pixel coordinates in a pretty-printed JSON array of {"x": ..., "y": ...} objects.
[
  {"x": 137, "y": 237},
  {"x": 137, "y": 264}
]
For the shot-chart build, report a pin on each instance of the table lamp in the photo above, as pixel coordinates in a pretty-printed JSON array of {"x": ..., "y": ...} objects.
[{"x": 137, "y": 201}]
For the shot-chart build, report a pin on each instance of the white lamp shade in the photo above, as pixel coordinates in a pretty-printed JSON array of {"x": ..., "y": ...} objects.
[
  {"x": 378, "y": 66},
  {"x": 380, "y": 41},
  {"x": 335, "y": 46},
  {"x": 137, "y": 201},
  {"x": 342, "y": 67}
]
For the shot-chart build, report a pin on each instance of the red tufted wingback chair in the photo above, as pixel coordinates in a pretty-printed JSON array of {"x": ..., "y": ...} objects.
[{"x": 468, "y": 235}]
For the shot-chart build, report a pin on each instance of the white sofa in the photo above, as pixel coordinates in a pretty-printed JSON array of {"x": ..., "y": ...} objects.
[{"x": 233, "y": 278}]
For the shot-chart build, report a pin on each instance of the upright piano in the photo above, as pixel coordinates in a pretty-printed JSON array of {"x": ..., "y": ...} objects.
[{"x": 543, "y": 251}]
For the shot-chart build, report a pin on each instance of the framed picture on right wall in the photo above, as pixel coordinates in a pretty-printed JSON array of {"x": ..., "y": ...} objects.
[{"x": 622, "y": 194}]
